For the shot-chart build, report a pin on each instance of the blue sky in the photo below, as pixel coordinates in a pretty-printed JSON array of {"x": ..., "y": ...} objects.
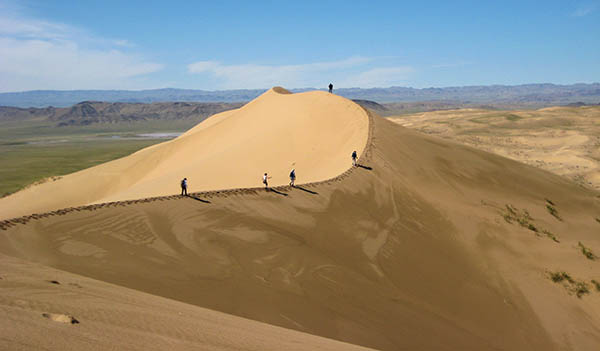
[{"x": 258, "y": 44}]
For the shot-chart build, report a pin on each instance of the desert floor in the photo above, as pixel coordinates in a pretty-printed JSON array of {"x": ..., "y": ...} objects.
[{"x": 562, "y": 140}]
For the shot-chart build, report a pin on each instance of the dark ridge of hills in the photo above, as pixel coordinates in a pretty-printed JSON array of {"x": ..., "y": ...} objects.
[
  {"x": 98, "y": 112},
  {"x": 65, "y": 98},
  {"x": 580, "y": 104},
  {"x": 92, "y": 112},
  {"x": 533, "y": 95}
]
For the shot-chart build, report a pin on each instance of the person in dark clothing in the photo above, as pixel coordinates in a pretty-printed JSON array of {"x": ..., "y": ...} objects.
[
  {"x": 354, "y": 156},
  {"x": 331, "y": 87},
  {"x": 292, "y": 177},
  {"x": 184, "y": 187}
]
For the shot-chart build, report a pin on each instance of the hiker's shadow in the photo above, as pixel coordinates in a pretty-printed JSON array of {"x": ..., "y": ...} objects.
[
  {"x": 304, "y": 189},
  {"x": 198, "y": 199},
  {"x": 276, "y": 191},
  {"x": 365, "y": 167}
]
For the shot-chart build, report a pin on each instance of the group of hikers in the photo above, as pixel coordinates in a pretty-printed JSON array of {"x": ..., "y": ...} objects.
[
  {"x": 265, "y": 179},
  {"x": 292, "y": 179}
]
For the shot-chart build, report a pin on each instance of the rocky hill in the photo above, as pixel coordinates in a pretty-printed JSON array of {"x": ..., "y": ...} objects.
[{"x": 92, "y": 112}]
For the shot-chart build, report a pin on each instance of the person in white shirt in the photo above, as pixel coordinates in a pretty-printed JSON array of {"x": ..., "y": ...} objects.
[{"x": 266, "y": 181}]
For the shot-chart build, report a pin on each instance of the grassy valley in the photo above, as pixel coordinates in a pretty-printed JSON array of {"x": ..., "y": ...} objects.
[{"x": 36, "y": 144}]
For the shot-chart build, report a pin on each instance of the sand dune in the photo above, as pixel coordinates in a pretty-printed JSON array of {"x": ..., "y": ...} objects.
[
  {"x": 430, "y": 245},
  {"x": 562, "y": 140},
  {"x": 313, "y": 132},
  {"x": 108, "y": 317}
]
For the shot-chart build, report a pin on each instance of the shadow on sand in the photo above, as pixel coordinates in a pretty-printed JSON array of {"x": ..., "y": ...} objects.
[
  {"x": 365, "y": 167},
  {"x": 277, "y": 191},
  {"x": 304, "y": 189},
  {"x": 198, "y": 199}
]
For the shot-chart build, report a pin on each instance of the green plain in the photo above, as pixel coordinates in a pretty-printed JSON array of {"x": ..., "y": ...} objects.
[{"x": 32, "y": 151}]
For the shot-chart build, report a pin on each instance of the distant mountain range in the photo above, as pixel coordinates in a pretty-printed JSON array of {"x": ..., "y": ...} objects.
[
  {"x": 534, "y": 95},
  {"x": 96, "y": 112}
]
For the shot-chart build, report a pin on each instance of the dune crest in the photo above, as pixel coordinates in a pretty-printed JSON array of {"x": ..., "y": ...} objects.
[{"x": 313, "y": 132}]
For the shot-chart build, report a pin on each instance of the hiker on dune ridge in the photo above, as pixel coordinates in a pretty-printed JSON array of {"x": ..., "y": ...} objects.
[
  {"x": 292, "y": 177},
  {"x": 266, "y": 181},
  {"x": 184, "y": 187}
]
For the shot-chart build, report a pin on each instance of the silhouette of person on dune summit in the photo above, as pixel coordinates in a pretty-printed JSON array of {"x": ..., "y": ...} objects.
[
  {"x": 184, "y": 187},
  {"x": 331, "y": 87},
  {"x": 354, "y": 158},
  {"x": 292, "y": 177}
]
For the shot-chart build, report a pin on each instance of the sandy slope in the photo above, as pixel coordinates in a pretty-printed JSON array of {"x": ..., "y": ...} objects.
[
  {"x": 313, "y": 132},
  {"x": 115, "y": 318},
  {"x": 414, "y": 253}
]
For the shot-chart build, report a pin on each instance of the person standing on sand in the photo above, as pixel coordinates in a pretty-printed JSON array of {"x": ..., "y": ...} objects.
[
  {"x": 292, "y": 177},
  {"x": 266, "y": 181},
  {"x": 330, "y": 87},
  {"x": 354, "y": 158},
  {"x": 184, "y": 187}
]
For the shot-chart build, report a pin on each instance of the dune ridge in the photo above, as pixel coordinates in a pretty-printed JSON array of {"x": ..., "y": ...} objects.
[
  {"x": 7, "y": 223},
  {"x": 314, "y": 132}
]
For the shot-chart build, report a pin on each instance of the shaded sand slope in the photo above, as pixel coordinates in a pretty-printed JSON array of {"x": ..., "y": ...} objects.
[
  {"x": 314, "y": 132},
  {"x": 413, "y": 253},
  {"x": 115, "y": 318}
]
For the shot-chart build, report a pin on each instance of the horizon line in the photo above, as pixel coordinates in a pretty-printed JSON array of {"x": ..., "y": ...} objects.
[{"x": 304, "y": 88}]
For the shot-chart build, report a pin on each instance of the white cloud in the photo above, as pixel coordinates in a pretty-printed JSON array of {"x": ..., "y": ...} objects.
[
  {"x": 33, "y": 28},
  {"x": 202, "y": 66},
  {"x": 584, "y": 10},
  {"x": 353, "y": 71},
  {"x": 124, "y": 43},
  {"x": 36, "y": 54},
  {"x": 380, "y": 77}
]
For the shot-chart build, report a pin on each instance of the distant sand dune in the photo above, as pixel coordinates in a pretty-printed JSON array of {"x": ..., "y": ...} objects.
[{"x": 562, "y": 140}]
